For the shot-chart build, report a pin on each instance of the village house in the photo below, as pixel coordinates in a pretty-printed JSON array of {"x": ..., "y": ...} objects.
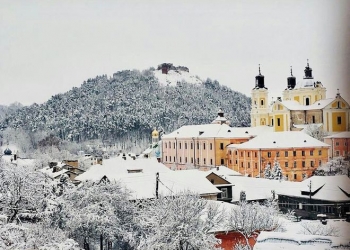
[
  {"x": 297, "y": 153},
  {"x": 328, "y": 195},
  {"x": 146, "y": 178},
  {"x": 339, "y": 144}
]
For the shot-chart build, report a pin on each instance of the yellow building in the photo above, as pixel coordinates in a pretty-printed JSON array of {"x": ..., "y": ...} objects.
[{"x": 303, "y": 103}]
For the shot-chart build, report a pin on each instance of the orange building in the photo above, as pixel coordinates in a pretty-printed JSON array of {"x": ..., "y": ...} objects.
[
  {"x": 297, "y": 153},
  {"x": 339, "y": 144},
  {"x": 204, "y": 146}
]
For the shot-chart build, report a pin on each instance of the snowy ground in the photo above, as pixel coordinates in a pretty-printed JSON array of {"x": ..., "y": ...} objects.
[{"x": 175, "y": 76}]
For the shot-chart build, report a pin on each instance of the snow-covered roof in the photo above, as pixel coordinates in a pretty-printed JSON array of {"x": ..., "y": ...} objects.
[
  {"x": 143, "y": 185},
  {"x": 345, "y": 134},
  {"x": 256, "y": 188},
  {"x": 294, "y": 105},
  {"x": 304, "y": 126},
  {"x": 49, "y": 172},
  {"x": 223, "y": 171},
  {"x": 175, "y": 76},
  {"x": 114, "y": 167},
  {"x": 217, "y": 131},
  {"x": 331, "y": 188},
  {"x": 279, "y": 240},
  {"x": 285, "y": 139}
]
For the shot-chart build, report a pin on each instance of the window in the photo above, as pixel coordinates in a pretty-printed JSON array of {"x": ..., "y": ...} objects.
[
  {"x": 286, "y": 176},
  {"x": 277, "y": 154},
  {"x": 256, "y": 165},
  {"x": 295, "y": 176},
  {"x": 180, "y": 145},
  {"x": 229, "y": 152},
  {"x": 169, "y": 144},
  {"x": 337, "y": 153},
  {"x": 295, "y": 164},
  {"x": 319, "y": 152},
  {"x": 338, "y": 105},
  {"x": 303, "y": 164},
  {"x": 204, "y": 146},
  {"x": 174, "y": 159},
  {"x": 241, "y": 154},
  {"x": 311, "y": 152},
  {"x": 236, "y": 162},
  {"x": 242, "y": 164},
  {"x": 166, "y": 145},
  {"x": 222, "y": 161},
  {"x": 269, "y": 154},
  {"x": 286, "y": 153},
  {"x": 197, "y": 160},
  {"x": 312, "y": 163},
  {"x": 185, "y": 145},
  {"x": 248, "y": 154},
  {"x": 191, "y": 159},
  {"x": 339, "y": 120},
  {"x": 272, "y": 122},
  {"x": 197, "y": 145},
  {"x": 319, "y": 162},
  {"x": 236, "y": 152},
  {"x": 230, "y": 161},
  {"x": 185, "y": 159},
  {"x": 180, "y": 159},
  {"x": 313, "y": 119},
  {"x": 286, "y": 164},
  {"x": 224, "y": 193},
  {"x": 337, "y": 144},
  {"x": 294, "y": 153},
  {"x": 169, "y": 158},
  {"x": 191, "y": 145},
  {"x": 278, "y": 122},
  {"x": 307, "y": 101},
  {"x": 174, "y": 145},
  {"x": 166, "y": 158},
  {"x": 303, "y": 153},
  {"x": 248, "y": 164},
  {"x": 221, "y": 146},
  {"x": 262, "y": 102},
  {"x": 211, "y": 161},
  {"x": 204, "y": 161},
  {"x": 255, "y": 154},
  {"x": 211, "y": 146},
  {"x": 345, "y": 144}
]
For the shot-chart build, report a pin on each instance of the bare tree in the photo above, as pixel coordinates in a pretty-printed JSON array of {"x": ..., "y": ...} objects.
[
  {"x": 251, "y": 218},
  {"x": 312, "y": 228}
]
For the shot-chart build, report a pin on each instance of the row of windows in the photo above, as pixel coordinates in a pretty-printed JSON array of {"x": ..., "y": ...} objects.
[
  {"x": 303, "y": 164},
  {"x": 286, "y": 153},
  {"x": 337, "y": 143},
  {"x": 168, "y": 144},
  {"x": 173, "y": 159}
]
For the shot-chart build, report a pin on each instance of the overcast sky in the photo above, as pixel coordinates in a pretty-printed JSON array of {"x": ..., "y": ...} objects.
[{"x": 48, "y": 47}]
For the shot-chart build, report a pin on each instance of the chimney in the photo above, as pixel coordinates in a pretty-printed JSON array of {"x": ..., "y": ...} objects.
[{"x": 217, "y": 168}]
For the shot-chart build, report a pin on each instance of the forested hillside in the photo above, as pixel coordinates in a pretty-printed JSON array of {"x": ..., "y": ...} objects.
[{"x": 126, "y": 107}]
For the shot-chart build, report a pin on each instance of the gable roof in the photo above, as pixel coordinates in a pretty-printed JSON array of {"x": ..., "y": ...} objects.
[
  {"x": 294, "y": 105},
  {"x": 285, "y": 139},
  {"x": 328, "y": 188}
]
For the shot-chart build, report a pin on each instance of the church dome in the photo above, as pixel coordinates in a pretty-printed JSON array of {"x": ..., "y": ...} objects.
[
  {"x": 155, "y": 133},
  {"x": 7, "y": 151}
]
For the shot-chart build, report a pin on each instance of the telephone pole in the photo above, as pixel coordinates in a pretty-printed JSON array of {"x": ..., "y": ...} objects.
[
  {"x": 157, "y": 184},
  {"x": 310, "y": 195}
]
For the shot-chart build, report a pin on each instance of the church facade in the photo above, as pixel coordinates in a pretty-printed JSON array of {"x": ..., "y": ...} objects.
[{"x": 303, "y": 103}]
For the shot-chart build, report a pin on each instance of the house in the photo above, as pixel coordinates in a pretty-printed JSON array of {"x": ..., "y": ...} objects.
[
  {"x": 222, "y": 184},
  {"x": 328, "y": 195},
  {"x": 339, "y": 144},
  {"x": 142, "y": 176},
  {"x": 303, "y": 103},
  {"x": 297, "y": 153}
]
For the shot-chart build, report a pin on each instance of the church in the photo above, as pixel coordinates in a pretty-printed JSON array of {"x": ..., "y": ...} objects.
[{"x": 302, "y": 103}]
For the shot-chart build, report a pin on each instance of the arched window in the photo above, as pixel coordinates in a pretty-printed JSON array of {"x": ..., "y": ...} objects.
[
  {"x": 262, "y": 102},
  {"x": 307, "y": 101}
]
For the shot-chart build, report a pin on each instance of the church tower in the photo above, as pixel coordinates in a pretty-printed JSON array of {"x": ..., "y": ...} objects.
[
  {"x": 260, "y": 108},
  {"x": 155, "y": 136}
]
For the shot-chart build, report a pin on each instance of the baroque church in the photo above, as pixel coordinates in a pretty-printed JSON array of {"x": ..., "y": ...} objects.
[{"x": 302, "y": 103}]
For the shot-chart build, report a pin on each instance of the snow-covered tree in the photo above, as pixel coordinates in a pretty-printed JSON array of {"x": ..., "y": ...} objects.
[
  {"x": 22, "y": 192},
  {"x": 335, "y": 166},
  {"x": 274, "y": 171},
  {"x": 251, "y": 218},
  {"x": 267, "y": 171},
  {"x": 180, "y": 222},
  {"x": 316, "y": 131},
  {"x": 309, "y": 227},
  {"x": 94, "y": 213}
]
